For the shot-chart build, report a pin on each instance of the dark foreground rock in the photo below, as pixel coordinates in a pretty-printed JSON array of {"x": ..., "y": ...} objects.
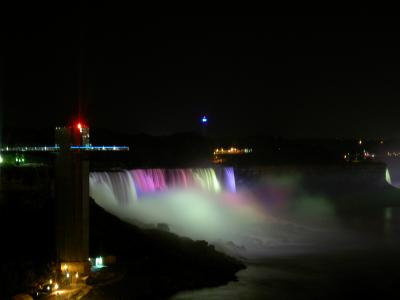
[{"x": 152, "y": 264}]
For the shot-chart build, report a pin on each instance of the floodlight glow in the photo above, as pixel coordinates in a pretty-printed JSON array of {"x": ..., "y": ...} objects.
[
  {"x": 204, "y": 119},
  {"x": 99, "y": 261}
]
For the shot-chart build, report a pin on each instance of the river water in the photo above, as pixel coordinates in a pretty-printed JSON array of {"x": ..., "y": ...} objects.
[{"x": 360, "y": 260}]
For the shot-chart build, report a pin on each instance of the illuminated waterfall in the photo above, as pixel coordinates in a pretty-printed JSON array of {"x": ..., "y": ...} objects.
[
  {"x": 230, "y": 182},
  {"x": 387, "y": 177},
  {"x": 120, "y": 184},
  {"x": 206, "y": 179},
  {"x": 150, "y": 180},
  {"x": 128, "y": 186}
]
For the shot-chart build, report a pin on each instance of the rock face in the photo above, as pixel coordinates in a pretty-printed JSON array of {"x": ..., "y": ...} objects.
[
  {"x": 163, "y": 227},
  {"x": 153, "y": 263}
]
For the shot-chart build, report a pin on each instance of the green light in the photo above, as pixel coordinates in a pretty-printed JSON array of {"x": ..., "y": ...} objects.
[{"x": 1, "y": 159}]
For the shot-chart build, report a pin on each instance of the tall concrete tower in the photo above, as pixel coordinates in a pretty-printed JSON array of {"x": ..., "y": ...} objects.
[{"x": 72, "y": 198}]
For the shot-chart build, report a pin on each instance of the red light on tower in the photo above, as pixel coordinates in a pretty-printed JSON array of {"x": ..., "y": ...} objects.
[{"x": 79, "y": 127}]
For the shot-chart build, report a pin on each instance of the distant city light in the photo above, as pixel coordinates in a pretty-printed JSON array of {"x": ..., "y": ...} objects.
[
  {"x": 1, "y": 159},
  {"x": 232, "y": 150},
  {"x": 219, "y": 152},
  {"x": 393, "y": 154},
  {"x": 360, "y": 142},
  {"x": 204, "y": 119}
]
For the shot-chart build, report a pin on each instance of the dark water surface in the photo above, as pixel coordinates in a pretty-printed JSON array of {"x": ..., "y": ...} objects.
[{"x": 358, "y": 259}]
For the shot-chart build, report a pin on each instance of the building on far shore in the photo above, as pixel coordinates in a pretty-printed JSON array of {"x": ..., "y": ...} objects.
[{"x": 221, "y": 154}]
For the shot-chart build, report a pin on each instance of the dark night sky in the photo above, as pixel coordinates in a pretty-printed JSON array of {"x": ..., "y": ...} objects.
[{"x": 279, "y": 76}]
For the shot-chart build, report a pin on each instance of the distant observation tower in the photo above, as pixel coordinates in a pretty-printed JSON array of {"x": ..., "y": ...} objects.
[
  {"x": 72, "y": 197},
  {"x": 72, "y": 147}
]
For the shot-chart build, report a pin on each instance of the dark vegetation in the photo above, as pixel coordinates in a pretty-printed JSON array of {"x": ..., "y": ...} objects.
[{"x": 26, "y": 228}]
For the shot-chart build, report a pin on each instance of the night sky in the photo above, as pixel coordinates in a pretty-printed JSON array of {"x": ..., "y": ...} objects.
[{"x": 277, "y": 76}]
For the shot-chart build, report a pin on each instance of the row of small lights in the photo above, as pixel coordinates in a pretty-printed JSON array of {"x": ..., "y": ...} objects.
[
  {"x": 55, "y": 148},
  {"x": 395, "y": 154},
  {"x": 232, "y": 150},
  {"x": 365, "y": 154}
]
